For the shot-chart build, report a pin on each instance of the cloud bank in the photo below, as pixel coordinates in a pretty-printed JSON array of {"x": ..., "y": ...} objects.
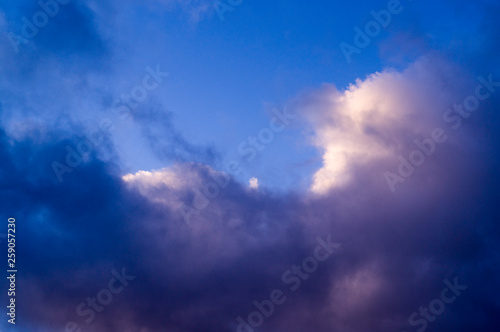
[
  {"x": 101, "y": 224},
  {"x": 396, "y": 250}
]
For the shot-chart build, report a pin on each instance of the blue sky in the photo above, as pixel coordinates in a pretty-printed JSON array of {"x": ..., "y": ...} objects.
[{"x": 225, "y": 76}]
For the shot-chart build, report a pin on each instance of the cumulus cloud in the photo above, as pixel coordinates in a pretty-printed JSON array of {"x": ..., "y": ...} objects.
[
  {"x": 395, "y": 250},
  {"x": 373, "y": 119}
]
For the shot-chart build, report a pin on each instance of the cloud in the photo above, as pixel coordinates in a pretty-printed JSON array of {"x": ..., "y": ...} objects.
[
  {"x": 166, "y": 142},
  {"x": 396, "y": 250},
  {"x": 373, "y": 119},
  {"x": 253, "y": 183}
]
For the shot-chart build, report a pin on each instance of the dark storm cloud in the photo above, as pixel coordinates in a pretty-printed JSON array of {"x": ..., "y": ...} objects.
[{"x": 395, "y": 252}]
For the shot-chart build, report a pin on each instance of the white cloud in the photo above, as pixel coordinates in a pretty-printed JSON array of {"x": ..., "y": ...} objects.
[
  {"x": 151, "y": 183},
  {"x": 254, "y": 183},
  {"x": 371, "y": 119},
  {"x": 167, "y": 186}
]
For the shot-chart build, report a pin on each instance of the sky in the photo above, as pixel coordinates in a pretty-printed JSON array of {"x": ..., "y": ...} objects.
[{"x": 235, "y": 165}]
